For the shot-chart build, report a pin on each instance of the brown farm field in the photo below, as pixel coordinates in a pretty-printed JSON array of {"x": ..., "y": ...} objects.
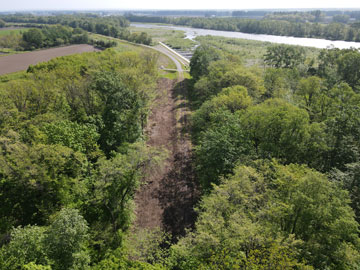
[{"x": 18, "y": 62}]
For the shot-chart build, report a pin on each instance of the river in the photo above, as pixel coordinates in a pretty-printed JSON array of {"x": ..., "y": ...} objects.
[{"x": 192, "y": 33}]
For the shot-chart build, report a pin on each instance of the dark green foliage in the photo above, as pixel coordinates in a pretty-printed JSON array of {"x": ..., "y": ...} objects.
[
  {"x": 284, "y": 56},
  {"x": 50, "y": 36},
  {"x": 2, "y": 23},
  {"x": 222, "y": 145},
  {"x": 34, "y": 38},
  {"x": 340, "y": 65},
  {"x": 121, "y": 113},
  {"x": 201, "y": 60}
]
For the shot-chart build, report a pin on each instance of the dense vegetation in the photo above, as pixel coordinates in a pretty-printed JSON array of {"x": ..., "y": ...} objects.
[
  {"x": 332, "y": 31},
  {"x": 276, "y": 153},
  {"x": 72, "y": 156}
]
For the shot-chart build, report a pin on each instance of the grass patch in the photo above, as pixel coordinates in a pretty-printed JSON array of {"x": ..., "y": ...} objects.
[
  {"x": 172, "y": 75},
  {"x": 251, "y": 51},
  {"x": 4, "y": 32},
  {"x": 12, "y": 76}
]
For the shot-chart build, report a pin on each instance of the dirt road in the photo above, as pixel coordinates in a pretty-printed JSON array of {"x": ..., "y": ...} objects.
[
  {"x": 167, "y": 198},
  {"x": 18, "y": 62}
]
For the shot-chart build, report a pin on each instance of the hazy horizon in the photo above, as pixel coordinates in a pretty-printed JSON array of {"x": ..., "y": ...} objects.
[{"x": 41, "y": 5}]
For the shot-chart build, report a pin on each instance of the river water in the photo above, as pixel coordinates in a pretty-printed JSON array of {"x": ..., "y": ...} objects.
[{"x": 191, "y": 33}]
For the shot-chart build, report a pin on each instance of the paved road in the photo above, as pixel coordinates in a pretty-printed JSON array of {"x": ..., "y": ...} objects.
[{"x": 173, "y": 57}]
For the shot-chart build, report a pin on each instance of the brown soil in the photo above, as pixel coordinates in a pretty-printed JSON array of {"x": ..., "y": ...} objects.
[
  {"x": 18, "y": 62},
  {"x": 168, "y": 196}
]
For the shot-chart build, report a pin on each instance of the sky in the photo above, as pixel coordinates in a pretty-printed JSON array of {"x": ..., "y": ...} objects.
[{"x": 6, "y": 5}]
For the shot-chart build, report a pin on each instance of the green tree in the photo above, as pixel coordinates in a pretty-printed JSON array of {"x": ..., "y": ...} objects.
[
  {"x": 277, "y": 129},
  {"x": 34, "y": 38},
  {"x": 284, "y": 56},
  {"x": 109, "y": 203},
  {"x": 220, "y": 147},
  {"x": 275, "y": 207},
  {"x": 82, "y": 138},
  {"x": 2, "y": 23},
  {"x": 201, "y": 60},
  {"x": 233, "y": 98},
  {"x": 348, "y": 68},
  {"x": 121, "y": 114},
  {"x": 37, "y": 180},
  {"x": 26, "y": 246},
  {"x": 66, "y": 239}
]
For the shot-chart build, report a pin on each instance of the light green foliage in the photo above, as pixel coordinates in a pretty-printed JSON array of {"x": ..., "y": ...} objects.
[
  {"x": 35, "y": 180},
  {"x": 223, "y": 74},
  {"x": 309, "y": 92},
  {"x": 275, "y": 209},
  {"x": 148, "y": 245},
  {"x": 10, "y": 39},
  {"x": 277, "y": 129},
  {"x": 81, "y": 138},
  {"x": 33, "y": 266},
  {"x": 59, "y": 246},
  {"x": 251, "y": 51},
  {"x": 52, "y": 118},
  {"x": 26, "y": 246},
  {"x": 233, "y": 98},
  {"x": 65, "y": 240},
  {"x": 120, "y": 262}
]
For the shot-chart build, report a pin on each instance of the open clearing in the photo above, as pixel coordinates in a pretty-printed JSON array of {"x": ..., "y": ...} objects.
[{"x": 18, "y": 62}]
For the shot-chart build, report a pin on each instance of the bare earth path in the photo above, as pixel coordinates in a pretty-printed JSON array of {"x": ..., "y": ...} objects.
[
  {"x": 167, "y": 198},
  {"x": 18, "y": 62}
]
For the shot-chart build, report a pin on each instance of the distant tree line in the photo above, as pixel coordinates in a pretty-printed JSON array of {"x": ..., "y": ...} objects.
[
  {"x": 332, "y": 31},
  {"x": 50, "y": 36},
  {"x": 113, "y": 26}
]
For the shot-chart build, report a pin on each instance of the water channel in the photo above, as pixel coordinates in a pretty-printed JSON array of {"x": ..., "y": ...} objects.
[{"x": 192, "y": 33}]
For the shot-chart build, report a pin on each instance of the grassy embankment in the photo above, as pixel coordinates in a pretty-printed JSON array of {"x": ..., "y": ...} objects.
[{"x": 173, "y": 38}]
